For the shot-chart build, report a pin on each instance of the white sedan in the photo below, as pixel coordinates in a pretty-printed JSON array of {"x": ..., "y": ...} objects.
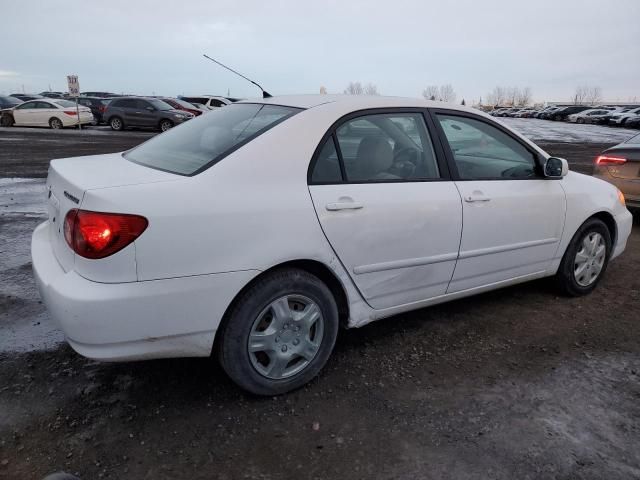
[
  {"x": 53, "y": 113},
  {"x": 254, "y": 231}
]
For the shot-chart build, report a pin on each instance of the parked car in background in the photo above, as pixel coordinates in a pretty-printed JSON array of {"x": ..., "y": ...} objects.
[
  {"x": 49, "y": 112},
  {"x": 547, "y": 114},
  {"x": 564, "y": 112},
  {"x": 182, "y": 105},
  {"x": 26, "y": 96},
  {"x": 209, "y": 101},
  {"x": 620, "y": 119},
  {"x": 264, "y": 226},
  {"x": 124, "y": 112},
  {"x": 525, "y": 113},
  {"x": 100, "y": 94},
  {"x": 620, "y": 165},
  {"x": 540, "y": 113},
  {"x": 633, "y": 122},
  {"x": 9, "y": 102},
  {"x": 497, "y": 112},
  {"x": 97, "y": 105},
  {"x": 53, "y": 94},
  {"x": 200, "y": 107},
  {"x": 588, "y": 116}
]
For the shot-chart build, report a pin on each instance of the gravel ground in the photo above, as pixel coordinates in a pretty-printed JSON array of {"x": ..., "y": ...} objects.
[{"x": 514, "y": 384}]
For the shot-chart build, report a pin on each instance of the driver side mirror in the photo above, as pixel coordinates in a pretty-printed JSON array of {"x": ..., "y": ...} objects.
[{"x": 556, "y": 167}]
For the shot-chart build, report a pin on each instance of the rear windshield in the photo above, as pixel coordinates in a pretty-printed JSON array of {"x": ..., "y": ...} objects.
[
  {"x": 65, "y": 103},
  {"x": 207, "y": 139}
]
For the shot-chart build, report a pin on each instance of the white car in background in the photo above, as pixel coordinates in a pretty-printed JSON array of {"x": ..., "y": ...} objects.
[
  {"x": 210, "y": 102},
  {"x": 254, "y": 231},
  {"x": 53, "y": 113},
  {"x": 587, "y": 116},
  {"x": 621, "y": 118}
]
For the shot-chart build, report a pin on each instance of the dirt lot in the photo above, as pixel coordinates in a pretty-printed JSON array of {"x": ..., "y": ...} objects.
[{"x": 515, "y": 384}]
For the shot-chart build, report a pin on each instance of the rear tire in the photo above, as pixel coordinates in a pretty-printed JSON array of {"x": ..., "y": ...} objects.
[
  {"x": 55, "y": 123},
  {"x": 583, "y": 265},
  {"x": 116, "y": 124},
  {"x": 279, "y": 333},
  {"x": 580, "y": 120}
]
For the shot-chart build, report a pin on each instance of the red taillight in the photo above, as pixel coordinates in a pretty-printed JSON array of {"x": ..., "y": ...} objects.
[
  {"x": 609, "y": 160},
  {"x": 98, "y": 235},
  {"x": 70, "y": 112}
]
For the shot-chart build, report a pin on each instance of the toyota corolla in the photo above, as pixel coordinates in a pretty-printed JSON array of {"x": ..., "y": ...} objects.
[{"x": 253, "y": 232}]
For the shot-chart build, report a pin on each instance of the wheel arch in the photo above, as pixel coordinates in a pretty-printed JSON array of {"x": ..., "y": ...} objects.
[
  {"x": 610, "y": 222},
  {"x": 314, "y": 267}
]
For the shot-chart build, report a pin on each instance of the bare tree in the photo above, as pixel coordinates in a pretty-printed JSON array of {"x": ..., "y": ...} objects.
[
  {"x": 432, "y": 92},
  {"x": 594, "y": 95},
  {"x": 447, "y": 94},
  {"x": 497, "y": 97},
  {"x": 371, "y": 89},
  {"x": 580, "y": 95},
  {"x": 354, "y": 88},
  {"x": 524, "y": 96}
]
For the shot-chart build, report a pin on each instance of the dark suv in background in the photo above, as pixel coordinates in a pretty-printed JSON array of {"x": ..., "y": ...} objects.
[
  {"x": 96, "y": 104},
  {"x": 126, "y": 112},
  {"x": 563, "y": 113}
]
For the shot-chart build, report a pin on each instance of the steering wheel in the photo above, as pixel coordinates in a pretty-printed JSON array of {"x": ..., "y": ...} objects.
[{"x": 410, "y": 152}]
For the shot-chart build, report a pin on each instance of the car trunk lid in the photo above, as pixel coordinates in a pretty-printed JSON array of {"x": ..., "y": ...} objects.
[
  {"x": 70, "y": 178},
  {"x": 629, "y": 169}
]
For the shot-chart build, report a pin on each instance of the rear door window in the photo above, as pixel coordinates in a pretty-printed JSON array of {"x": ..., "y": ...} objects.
[{"x": 207, "y": 139}]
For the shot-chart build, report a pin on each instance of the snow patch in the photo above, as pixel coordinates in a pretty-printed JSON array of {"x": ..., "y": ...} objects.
[{"x": 550, "y": 131}]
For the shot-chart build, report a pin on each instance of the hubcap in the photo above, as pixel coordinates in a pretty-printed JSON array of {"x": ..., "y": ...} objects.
[
  {"x": 285, "y": 337},
  {"x": 589, "y": 259},
  {"x": 165, "y": 126},
  {"x": 115, "y": 123}
]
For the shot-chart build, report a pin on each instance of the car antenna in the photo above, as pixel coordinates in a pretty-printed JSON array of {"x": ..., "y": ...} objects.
[{"x": 265, "y": 94}]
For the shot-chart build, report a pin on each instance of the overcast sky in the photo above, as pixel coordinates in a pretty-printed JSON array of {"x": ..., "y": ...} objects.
[{"x": 155, "y": 47}]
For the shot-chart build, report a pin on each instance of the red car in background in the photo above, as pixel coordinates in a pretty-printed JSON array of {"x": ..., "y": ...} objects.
[{"x": 182, "y": 105}]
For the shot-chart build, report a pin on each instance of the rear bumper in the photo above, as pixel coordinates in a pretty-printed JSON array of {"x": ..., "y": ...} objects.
[
  {"x": 624, "y": 223},
  {"x": 175, "y": 317}
]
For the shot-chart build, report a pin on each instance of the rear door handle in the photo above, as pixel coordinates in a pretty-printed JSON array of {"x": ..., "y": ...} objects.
[
  {"x": 332, "y": 207},
  {"x": 476, "y": 197}
]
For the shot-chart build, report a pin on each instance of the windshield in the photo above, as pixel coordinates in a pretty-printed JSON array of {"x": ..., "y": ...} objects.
[
  {"x": 183, "y": 104},
  {"x": 634, "y": 140},
  {"x": 11, "y": 100},
  {"x": 207, "y": 139},
  {"x": 159, "y": 104}
]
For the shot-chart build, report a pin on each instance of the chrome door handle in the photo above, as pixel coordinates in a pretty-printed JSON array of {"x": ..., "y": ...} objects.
[
  {"x": 476, "y": 198},
  {"x": 332, "y": 207}
]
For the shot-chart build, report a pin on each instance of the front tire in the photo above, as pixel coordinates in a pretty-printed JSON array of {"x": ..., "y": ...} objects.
[
  {"x": 55, "y": 123},
  {"x": 6, "y": 120},
  {"x": 279, "y": 333},
  {"x": 165, "y": 125},
  {"x": 585, "y": 260}
]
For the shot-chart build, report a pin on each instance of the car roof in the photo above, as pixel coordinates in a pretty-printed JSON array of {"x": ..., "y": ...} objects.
[{"x": 355, "y": 102}]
